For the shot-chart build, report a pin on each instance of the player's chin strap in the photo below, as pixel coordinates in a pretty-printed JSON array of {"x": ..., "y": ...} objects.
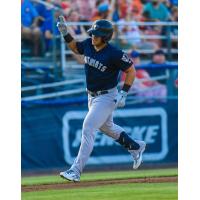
[{"x": 127, "y": 142}]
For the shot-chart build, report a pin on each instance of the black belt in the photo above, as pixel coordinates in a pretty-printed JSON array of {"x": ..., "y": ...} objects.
[{"x": 95, "y": 94}]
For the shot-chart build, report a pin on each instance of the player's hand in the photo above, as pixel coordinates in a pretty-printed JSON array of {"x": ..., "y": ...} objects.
[
  {"x": 121, "y": 99},
  {"x": 61, "y": 24}
]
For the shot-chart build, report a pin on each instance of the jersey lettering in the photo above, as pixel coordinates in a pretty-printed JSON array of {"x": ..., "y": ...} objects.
[
  {"x": 100, "y": 65},
  {"x": 103, "y": 68},
  {"x": 92, "y": 62},
  {"x": 95, "y": 63}
]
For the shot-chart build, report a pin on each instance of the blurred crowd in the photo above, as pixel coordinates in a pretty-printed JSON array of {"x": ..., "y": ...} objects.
[
  {"x": 38, "y": 20},
  {"x": 38, "y": 26}
]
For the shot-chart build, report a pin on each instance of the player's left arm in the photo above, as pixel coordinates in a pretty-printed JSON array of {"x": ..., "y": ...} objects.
[{"x": 129, "y": 79}]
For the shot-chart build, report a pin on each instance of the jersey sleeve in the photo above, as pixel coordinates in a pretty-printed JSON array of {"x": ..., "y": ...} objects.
[
  {"x": 122, "y": 60},
  {"x": 81, "y": 46}
]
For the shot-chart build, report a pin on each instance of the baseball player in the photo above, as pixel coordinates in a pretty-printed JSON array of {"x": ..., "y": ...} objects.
[{"x": 103, "y": 63}]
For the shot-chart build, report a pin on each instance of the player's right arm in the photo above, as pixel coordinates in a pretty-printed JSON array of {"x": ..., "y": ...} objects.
[
  {"x": 71, "y": 42},
  {"x": 72, "y": 46}
]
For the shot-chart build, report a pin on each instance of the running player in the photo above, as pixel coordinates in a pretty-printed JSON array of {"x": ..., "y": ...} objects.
[{"x": 103, "y": 63}]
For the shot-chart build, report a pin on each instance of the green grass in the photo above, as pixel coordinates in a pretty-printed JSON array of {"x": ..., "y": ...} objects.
[
  {"x": 102, "y": 175},
  {"x": 133, "y": 191}
]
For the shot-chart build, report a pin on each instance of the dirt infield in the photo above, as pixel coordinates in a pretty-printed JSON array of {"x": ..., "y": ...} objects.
[{"x": 71, "y": 185}]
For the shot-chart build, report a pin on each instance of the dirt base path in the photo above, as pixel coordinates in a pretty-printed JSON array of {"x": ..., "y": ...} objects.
[{"x": 71, "y": 185}]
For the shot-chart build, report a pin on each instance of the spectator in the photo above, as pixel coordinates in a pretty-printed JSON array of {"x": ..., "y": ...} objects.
[
  {"x": 29, "y": 21},
  {"x": 77, "y": 31},
  {"x": 157, "y": 11},
  {"x": 167, "y": 3},
  {"x": 49, "y": 16},
  {"x": 65, "y": 5},
  {"x": 137, "y": 8},
  {"x": 158, "y": 58},
  {"x": 151, "y": 30},
  {"x": 116, "y": 12},
  {"x": 123, "y": 8},
  {"x": 174, "y": 18},
  {"x": 135, "y": 55},
  {"x": 74, "y": 16},
  {"x": 131, "y": 31},
  {"x": 172, "y": 29},
  {"x": 44, "y": 11},
  {"x": 132, "y": 34},
  {"x": 102, "y": 12},
  {"x": 85, "y": 8},
  {"x": 144, "y": 86},
  {"x": 145, "y": 18},
  {"x": 50, "y": 30}
]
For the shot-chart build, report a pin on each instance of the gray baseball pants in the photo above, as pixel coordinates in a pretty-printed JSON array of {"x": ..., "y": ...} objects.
[{"x": 100, "y": 118}]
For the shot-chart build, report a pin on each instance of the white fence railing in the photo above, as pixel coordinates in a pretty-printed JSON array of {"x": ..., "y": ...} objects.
[
  {"x": 79, "y": 90},
  {"x": 55, "y": 84},
  {"x": 127, "y": 23}
]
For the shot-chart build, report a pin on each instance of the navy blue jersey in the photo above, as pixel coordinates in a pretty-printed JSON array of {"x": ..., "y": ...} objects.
[{"x": 102, "y": 67}]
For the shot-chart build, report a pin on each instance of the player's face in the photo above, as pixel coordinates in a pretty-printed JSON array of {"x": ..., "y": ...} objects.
[{"x": 96, "y": 41}]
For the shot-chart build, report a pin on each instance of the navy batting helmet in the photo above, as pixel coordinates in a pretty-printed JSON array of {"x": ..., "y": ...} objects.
[{"x": 102, "y": 28}]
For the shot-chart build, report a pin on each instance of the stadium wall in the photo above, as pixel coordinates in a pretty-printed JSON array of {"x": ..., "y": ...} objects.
[{"x": 51, "y": 135}]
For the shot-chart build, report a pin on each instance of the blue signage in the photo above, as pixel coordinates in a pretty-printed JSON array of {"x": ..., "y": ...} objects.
[
  {"x": 148, "y": 124},
  {"x": 51, "y": 135}
]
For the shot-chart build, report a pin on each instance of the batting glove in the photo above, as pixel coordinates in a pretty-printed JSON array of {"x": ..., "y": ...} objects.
[
  {"x": 121, "y": 99},
  {"x": 62, "y": 27}
]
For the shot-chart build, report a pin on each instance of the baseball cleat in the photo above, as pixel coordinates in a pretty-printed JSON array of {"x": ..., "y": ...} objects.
[
  {"x": 137, "y": 154},
  {"x": 70, "y": 175}
]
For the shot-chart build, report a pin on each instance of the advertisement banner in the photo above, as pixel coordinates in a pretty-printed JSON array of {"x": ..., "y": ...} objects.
[
  {"x": 148, "y": 124},
  {"x": 51, "y": 135}
]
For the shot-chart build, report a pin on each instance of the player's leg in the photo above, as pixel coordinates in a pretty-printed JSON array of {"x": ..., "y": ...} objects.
[
  {"x": 71, "y": 174},
  {"x": 118, "y": 133},
  {"x": 99, "y": 110},
  {"x": 135, "y": 147},
  {"x": 111, "y": 129}
]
